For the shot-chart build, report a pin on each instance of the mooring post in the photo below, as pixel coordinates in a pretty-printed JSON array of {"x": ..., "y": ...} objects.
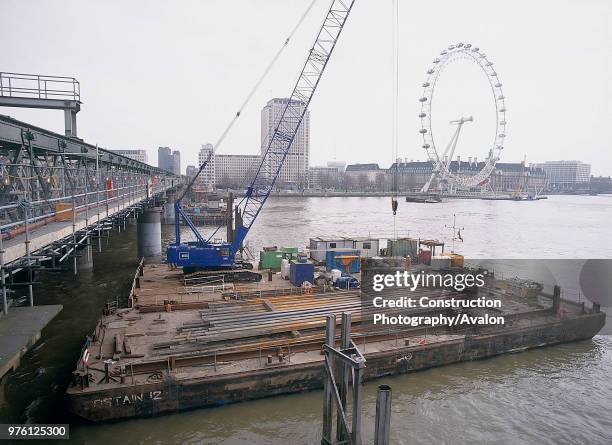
[
  {"x": 343, "y": 378},
  {"x": 328, "y": 416},
  {"x": 356, "y": 423},
  {"x": 383, "y": 416}
]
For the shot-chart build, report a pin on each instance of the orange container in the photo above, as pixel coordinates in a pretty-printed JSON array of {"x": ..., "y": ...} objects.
[
  {"x": 63, "y": 211},
  {"x": 109, "y": 187}
]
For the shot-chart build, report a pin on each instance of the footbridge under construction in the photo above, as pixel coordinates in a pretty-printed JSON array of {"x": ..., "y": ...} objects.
[{"x": 60, "y": 197}]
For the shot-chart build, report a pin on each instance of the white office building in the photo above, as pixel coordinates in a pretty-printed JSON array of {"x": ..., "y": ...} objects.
[
  {"x": 137, "y": 155},
  {"x": 295, "y": 167},
  {"x": 206, "y": 180},
  {"x": 226, "y": 170},
  {"x": 235, "y": 170},
  {"x": 562, "y": 175},
  {"x": 323, "y": 177}
]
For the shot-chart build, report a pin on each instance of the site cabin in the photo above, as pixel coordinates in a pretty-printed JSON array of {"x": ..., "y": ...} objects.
[
  {"x": 367, "y": 247},
  {"x": 320, "y": 246}
]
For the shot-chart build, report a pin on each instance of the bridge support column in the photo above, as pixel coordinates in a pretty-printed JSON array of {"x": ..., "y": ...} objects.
[
  {"x": 169, "y": 208},
  {"x": 85, "y": 259},
  {"x": 70, "y": 125},
  {"x": 148, "y": 229}
]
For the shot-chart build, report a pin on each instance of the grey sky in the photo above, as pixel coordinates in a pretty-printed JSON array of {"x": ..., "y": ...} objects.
[{"x": 173, "y": 73}]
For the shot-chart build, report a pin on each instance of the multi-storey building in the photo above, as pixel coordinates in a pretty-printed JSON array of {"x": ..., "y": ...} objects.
[
  {"x": 176, "y": 162},
  {"x": 137, "y": 155},
  {"x": 164, "y": 158},
  {"x": 191, "y": 171},
  {"x": 206, "y": 180},
  {"x": 226, "y": 170},
  {"x": 295, "y": 167},
  {"x": 323, "y": 177},
  {"x": 566, "y": 175},
  {"x": 235, "y": 170},
  {"x": 169, "y": 160},
  {"x": 505, "y": 177},
  {"x": 364, "y": 176}
]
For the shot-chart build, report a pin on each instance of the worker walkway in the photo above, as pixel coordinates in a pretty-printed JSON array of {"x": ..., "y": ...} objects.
[
  {"x": 19, "y": 330},
  {"x": 51, "y": 232}
]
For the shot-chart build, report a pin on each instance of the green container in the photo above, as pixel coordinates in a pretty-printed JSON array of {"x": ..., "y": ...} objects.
[
  {"x": 403, "y": 247},
  {"x": 270, "y": 259},
  {"x": 289, "y": 252}
]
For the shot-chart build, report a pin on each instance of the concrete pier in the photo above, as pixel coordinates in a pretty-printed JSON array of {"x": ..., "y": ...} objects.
[
  {"x": 169, "y": 208},
  {"x": 85, "y": 258},
  {"x": 149, "y": 233}
]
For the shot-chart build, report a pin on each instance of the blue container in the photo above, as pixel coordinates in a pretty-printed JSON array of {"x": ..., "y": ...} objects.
[
  {"x": 347, "y": 283},
  {"x": 300, "y": 272},
  {"x": 347, "y": 261}
]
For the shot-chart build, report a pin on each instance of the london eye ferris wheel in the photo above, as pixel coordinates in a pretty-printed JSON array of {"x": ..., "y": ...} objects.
[{"x": 441, "y": 160}]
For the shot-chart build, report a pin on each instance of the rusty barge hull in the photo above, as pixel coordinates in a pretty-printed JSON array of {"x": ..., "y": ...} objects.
[{"x": 174, "y": 394}]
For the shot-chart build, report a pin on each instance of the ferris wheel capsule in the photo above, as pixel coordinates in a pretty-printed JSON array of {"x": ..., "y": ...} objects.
[
  {"x": 422, "y": 115},
  {"x": 423, "y": 99},
  {"x": 426, "y": 84},
  {"x": 423, "y": 130}
]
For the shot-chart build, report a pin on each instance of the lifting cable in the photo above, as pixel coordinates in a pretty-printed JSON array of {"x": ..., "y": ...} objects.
[
  {"x": 258, "y": 84},
  {"x": 264, "y": 75},
  {"x": 394, "y": 113}
]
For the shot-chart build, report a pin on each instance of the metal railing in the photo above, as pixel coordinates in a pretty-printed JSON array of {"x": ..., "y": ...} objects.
[
  {"x": 67, "y": 189},
  {"x": 36, "y": 86}
]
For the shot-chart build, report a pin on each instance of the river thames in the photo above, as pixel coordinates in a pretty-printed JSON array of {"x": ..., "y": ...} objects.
[{"x": 554, "y": 395}]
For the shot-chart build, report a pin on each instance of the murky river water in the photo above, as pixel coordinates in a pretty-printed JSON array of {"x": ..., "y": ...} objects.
[{"x": 561, "y": 394}]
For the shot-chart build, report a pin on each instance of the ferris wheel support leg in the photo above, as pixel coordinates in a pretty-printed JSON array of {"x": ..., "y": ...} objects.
[{"x": 425, "y": 188}]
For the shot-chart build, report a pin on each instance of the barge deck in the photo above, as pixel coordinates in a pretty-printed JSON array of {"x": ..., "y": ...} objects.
[{"x": 181, "y": 347}]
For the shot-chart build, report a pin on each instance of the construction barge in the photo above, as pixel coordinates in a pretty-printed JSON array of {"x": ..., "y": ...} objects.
[{"x": 181, "y": 347}]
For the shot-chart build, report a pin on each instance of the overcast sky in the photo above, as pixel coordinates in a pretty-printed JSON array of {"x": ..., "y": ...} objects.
[{"x": 162, "y": 73}]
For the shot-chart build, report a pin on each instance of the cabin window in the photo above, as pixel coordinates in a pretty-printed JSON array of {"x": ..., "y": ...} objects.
[
  {"x": 332, "y": 245},
  {"x": 224, "y": 251},
  {"x": 367, "y": 245},
  {"x": 184, "y": 255}
]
